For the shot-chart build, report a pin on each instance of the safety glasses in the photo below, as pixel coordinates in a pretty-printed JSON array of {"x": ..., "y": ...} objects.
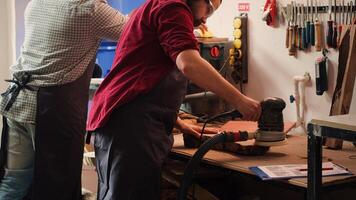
[{"x": 211, "y": 8}]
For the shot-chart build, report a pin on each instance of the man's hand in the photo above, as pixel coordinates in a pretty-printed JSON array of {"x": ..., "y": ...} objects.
[
  {"x": 192, "y": 129},
  {"x": 203, "y": 28},
  {"x": 249, "y": 108}
]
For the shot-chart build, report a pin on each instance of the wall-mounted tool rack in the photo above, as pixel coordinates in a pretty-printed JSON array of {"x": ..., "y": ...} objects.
[
  {"x": 305, "y": 25},
  {"x": 324, "y": 9}
]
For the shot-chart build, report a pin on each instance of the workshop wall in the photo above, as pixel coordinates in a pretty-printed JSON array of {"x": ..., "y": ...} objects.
[
  {"x": 7, "y": 54},
  {"x": 271, "y": 69},
  {"x": 20, "y": 7}
]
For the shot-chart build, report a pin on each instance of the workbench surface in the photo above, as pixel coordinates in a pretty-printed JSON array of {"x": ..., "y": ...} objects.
[
  {"x": 295, "y": 152},
  {"x": 345, "y": 122}
]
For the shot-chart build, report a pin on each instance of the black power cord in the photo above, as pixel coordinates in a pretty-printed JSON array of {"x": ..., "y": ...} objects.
[
  {"x": 203, "y": 149},
  {"x": 233, "y": 114}
]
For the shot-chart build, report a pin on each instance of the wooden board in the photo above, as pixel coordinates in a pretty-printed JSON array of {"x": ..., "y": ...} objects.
[
  {"x": 295, "y": 152},
  {"x": 346, "y": 79}
]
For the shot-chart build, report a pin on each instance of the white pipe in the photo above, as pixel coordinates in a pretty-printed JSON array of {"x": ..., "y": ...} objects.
[{"x": 299, "y": 96}]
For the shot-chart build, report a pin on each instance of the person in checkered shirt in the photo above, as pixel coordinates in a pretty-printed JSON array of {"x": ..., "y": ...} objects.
[{"x": 44, "y": 108}]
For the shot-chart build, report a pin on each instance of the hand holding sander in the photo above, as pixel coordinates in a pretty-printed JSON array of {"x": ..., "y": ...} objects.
[{"x": 270, "y": 127}]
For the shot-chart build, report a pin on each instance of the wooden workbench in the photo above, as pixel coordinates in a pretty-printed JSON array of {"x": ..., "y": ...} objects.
[{"x": 295, "y": 152}]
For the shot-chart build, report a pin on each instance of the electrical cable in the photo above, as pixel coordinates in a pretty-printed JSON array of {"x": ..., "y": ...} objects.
[
  {"x": 232, "y": 114},
  {"x": 193, "y": 163}
]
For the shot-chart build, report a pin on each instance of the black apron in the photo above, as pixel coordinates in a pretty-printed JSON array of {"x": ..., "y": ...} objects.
[
  {"x": 59, "y": 139},
  {"x": 131, "y": 147}
]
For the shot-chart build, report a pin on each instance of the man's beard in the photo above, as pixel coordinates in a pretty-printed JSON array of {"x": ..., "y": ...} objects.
[{"x": 197, "y": 22}]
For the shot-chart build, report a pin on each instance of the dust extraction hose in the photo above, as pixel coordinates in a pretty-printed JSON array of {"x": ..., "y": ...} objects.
[{"x": 203, "y": 149}]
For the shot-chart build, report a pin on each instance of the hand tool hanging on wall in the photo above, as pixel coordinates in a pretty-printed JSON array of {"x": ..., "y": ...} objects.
[
  {"x": 353, "y": 12},
  {"x": 270, "y": 12},
  {"x": 292, "y": 49},
  {"x": 341, "y": 21},
  {"x": 295, "y": 28},
  {"x": 347, "y": 21},
  {"x": 321, "y": 73},
  {"x": 330, "y": 34},
  {"x": 318, "y": 30},
  {"x": 307, "y": 24},
  {"x": 352, "y": 18},
  {"x": 304, "y": 30},
  {"x": 334, "y": 39},
  {"x": 312, "y": 27},
  {"x": 289, "y": 22},
  {"x": 300, "y": 27},
  {"x": 350, "y": 12}
]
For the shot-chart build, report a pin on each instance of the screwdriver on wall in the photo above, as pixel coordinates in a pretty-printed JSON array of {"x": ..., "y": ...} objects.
[
  {"x": 288, "y": 25},
  {"x": 318, "y": 29},
  {"x": 304, "y": 30},
  {"x": 334, "y": 39},
  {"x": 341, "y": 21},
  {"x": 329, "y": 37},
  {"x": 348, "y": 14},
  {"x": 312, "y": 27},
  {"x": 352, "y": 11},
  {"x": 300, "y": 27},
  {"x": 292, "y": 50},
  {"x": 307, "y": 24},
  {"x": 296, "y": 40}
]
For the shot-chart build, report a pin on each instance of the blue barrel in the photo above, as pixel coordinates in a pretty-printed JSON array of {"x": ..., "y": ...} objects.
[
  {"x": 106, "y": 52},
  {"x": 105, "y": 56},
  {"x": 125, "y": 6}
]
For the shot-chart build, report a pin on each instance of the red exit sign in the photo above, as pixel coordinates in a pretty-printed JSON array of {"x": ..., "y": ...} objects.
[{"x": 243, "y": 7}]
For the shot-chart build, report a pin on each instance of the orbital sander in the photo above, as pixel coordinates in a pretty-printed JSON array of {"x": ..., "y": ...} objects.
[
  {"x": 270, "y": 125},
  {"x": 269, "y": 133}
]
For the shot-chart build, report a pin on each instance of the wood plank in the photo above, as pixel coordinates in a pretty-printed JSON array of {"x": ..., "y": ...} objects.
[
  {"x": 345, "y": 82},
  {"x": 350, "y": 74}
]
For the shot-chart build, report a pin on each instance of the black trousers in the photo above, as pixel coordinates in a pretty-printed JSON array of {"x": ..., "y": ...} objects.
[{"x": 130, "y": 150}]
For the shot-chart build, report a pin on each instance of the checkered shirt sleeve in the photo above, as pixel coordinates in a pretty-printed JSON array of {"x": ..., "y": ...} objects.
[{"x": 61, "y": 39}]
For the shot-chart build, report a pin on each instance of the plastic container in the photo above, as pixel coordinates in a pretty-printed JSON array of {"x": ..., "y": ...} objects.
[
  {"x": 106, "y": 51},
  {"x": 105, "y": 56},
  {"x": 125, "y": 6}
]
